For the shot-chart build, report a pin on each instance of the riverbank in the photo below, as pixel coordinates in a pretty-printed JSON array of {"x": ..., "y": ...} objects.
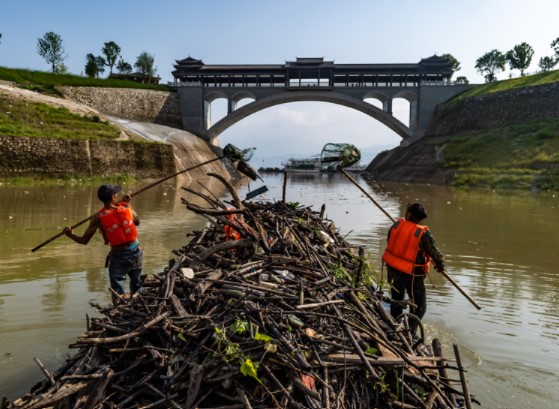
[
  {"x": 53, "y": 138},
  {"x": 522, "y": 156},
  {"x": 502, "y": 139}
]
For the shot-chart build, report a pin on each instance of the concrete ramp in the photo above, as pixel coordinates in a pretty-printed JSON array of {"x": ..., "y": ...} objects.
[{"x": 189, "y": 150}]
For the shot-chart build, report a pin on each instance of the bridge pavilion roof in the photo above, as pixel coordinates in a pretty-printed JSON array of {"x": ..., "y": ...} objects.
[{"x": 192, "y": 70}]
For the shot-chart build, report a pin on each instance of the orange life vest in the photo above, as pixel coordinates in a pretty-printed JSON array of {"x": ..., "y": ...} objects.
[
  {"x": 403, "y": 247},
  {"x": 118, "y": 224},
  {"x": 230, "y": 232}
]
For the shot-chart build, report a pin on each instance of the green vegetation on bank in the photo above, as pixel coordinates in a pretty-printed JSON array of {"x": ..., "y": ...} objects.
[
  {"x": 19, "y": 117},
  {"x": 527, "y": 81},
  {"x": 47, "y": 83},
  {"x": 65, "y": 180},
  {"x": 517, "y": 156}
]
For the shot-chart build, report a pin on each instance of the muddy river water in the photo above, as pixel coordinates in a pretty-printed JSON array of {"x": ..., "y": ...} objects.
[{"x": 501, "y": 247}]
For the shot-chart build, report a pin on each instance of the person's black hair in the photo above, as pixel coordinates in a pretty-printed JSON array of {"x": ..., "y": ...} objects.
[
  {"x": 416, "y": 210},
  {"x": 106, "y": 192}
]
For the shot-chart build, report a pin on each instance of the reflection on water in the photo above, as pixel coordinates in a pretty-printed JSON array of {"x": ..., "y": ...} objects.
[{"x": 500, "y": 247}]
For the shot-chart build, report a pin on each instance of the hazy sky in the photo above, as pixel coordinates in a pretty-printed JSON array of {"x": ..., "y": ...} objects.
[{"x": 271, "y": 32}]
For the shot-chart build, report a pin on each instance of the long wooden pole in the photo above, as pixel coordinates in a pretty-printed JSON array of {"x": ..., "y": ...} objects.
[
  {"x": 455, "y": 284},
  {"x": 463, "y": 380},
  {"x": 131, "y": 195},
  {"x": 284, "y": 186},
  {"x": 352, "y": 180},
  {"x": 444, "y": 273}
]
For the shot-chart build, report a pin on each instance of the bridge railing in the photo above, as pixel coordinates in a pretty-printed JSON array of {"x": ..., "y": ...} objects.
[{"x": 311, "y": 84}]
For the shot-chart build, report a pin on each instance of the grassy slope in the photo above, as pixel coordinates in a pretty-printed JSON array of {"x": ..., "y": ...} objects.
[
  {"x": 23, "y": 118},
  {"x": 523, "y": 156},
  {"x": 527, "y": 81},
  {"x": 46, "y": 82}
]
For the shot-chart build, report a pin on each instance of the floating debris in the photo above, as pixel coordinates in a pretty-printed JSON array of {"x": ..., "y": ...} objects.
[{"x": 266, "y": 307}]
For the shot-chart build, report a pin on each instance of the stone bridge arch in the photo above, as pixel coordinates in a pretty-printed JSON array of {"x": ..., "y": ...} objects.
[{"x": 299, "y": 96}]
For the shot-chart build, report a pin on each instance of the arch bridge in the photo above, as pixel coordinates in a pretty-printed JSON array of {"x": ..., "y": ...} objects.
[{"x": 424, "y": 85}]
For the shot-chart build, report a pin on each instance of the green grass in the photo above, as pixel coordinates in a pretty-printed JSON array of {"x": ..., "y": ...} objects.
[
  {"x": 540, "y": 180},
  {"x": 517, "y": 156},
  {"x": 23, "y": 118},
  {"x": 47, "y": 83},
  {"x": 65, "y": 180},
  {"x": 527, "y": 81},
  {"x": 530, "y": 145}
]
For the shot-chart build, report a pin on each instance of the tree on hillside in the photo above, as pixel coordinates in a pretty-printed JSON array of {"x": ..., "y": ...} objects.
[
  {"x": 144, "y": 65},
  {"x": 462, "y": 80},
  {"x": 62, "y": 69},
  {"x": 520, "y": 57},
  {"x": 547, "y": 63},
  {"x": 490, "y": 63},
  {"x": 51, "y": 49},
  {"x": 454, "y": 63},
  {"x": 111, "y": 51},
  {"x": 555, "y": 46},
  {"x": 123, "y": 67},
  {"x": 94, "y": 66}
]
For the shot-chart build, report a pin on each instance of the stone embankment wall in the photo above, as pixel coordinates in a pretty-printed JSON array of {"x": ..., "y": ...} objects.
[
  {"x": 158, "y": 107},
  {"x": 496, "y": 109},
  {"x": 25, "y": 156}
]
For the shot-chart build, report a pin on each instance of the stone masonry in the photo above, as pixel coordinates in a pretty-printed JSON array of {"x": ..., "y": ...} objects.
[
  {"x": 158, "y": 107},
  {"x": 25, "y": 156},
  {"x": 496, "y": 109}
]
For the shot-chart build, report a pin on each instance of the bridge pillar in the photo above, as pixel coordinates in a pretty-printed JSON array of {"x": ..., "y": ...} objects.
[
  {"x": 387, "y": 106},
  {"x": 231, "y": 106},
  {"x": 429, "y": 98},
  {"x": 207, "y": 114},
  {"x": 193, "y": 111},
  {"x": 413, "y": 115}
]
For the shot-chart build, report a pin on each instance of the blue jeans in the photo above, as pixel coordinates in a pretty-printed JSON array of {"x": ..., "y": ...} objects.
[{"x": 124, "y": 263}]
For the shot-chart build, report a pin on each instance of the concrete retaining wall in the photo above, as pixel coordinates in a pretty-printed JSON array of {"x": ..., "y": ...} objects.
[
  {"x": 496, "y": 109},
  {"x": 158, "y": 107},
  {"x": 24, "y": 156}
]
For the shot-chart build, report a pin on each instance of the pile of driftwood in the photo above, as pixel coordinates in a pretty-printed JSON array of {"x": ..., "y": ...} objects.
[{"x": 266, "y": 307}]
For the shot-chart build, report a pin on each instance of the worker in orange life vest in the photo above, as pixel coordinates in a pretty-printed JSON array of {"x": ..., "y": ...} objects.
[
  {"x": 117, "y": 223},
  {"x": 408, "y": 253}
]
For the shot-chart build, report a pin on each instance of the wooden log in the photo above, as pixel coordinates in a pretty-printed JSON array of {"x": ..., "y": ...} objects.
[
  {"x": 99, "y": 388},
  {"x": 56, "y": 396},
  {"x": 195, "y": 380},
  {"x": 227, "y": 245},
  {"x": 318, "y": 304},
  {"x": 411, "y": 393},
  {"x": 177, "y": 306},
  {"x": 431, "y": 399},
  {"x": 203, "y": 286},
  {"x": 463, "y": 380},
  {"x": 380, "y": 361},
  {"x": 133, "y": 334},
  {"x": 443, "y": 373},
  {"x": 45, "y": 371}
]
